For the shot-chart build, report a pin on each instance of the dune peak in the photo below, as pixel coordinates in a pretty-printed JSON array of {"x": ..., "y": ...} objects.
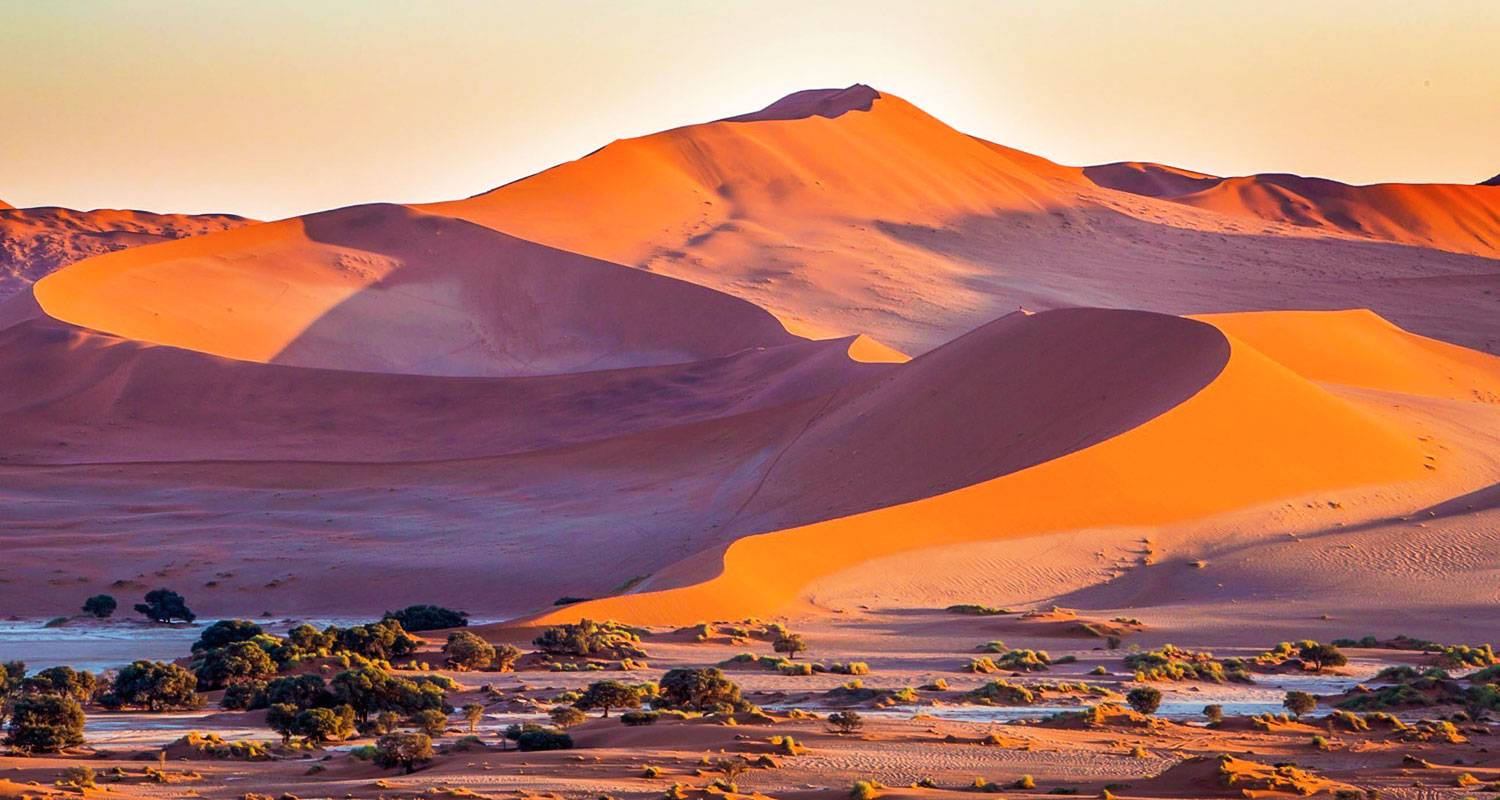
[
  {"x": 829, "y": 103},
  {"x": 1495, "y": 181}
]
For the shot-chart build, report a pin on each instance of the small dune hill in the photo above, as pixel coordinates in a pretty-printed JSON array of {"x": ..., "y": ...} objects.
[
  {"x": 36, "y": 241},
  {"x": 1359, "y": 348},
  {"x": 1229, "y": 776},
  {"x": 1452, "y": 217},
  {"x": 383, "y": 288},
  {"x": 1461, "y": 219},
  {"x": 1150, "y": 180},
  {"x": 1495, "y": 181},
  {"x": 1179, "y": 460}
]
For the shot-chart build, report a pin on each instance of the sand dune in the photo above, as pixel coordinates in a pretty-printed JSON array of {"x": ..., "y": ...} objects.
[
  {"x": 1151, "y": 180},
  {"x": 1288, "y": 438},
  {"x": 1358, "y": 348},
  {"x": 1461, "y": 219},
  {"x": 595, "y": 380},
  {"x": 386, "y": 289},
  {"x": 851, "y": 211},
  {"x": 95, "y": 398},
  {"x": 1456, "y": 218},
  {"x": 36, "y": 241}
]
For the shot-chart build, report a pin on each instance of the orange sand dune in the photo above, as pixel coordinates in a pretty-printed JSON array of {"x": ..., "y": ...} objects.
[
  {"x": 840, "y": 212},
  {"x": 36, "y": 241},
  {"x": 851, "y": 211},
  {"x": 383, "y": 288},
  {"x": 1461, "y": 219},
  {"x": 1288, "y": 437},
  {"x": 1453, "y": 217},
  {"x": 1358, "y": 348}
]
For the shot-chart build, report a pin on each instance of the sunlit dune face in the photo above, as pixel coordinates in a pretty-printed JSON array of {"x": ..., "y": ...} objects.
[{"x": 1257, "y": 432}]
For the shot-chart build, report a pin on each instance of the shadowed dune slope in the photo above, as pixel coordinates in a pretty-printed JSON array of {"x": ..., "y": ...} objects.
[
  {"x": 36, "y": 241},
  {"x": 96, "y": 398},
  {"x": 1150, "y": 180},
  {"x": 1014, "y": 393},
  {"x": 1256, "y": 432},
  {"x": 384, "y": 288}
]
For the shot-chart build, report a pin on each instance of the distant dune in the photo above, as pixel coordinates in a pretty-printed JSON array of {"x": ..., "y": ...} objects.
[
  {"x": 36, "y": 241},
  {"x": 1452, "y": 217}
]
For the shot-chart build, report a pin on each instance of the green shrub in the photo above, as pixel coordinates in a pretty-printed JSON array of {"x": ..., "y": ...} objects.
[
  {"x": 1171, "y": 663},
  {"x": 700, "y": 690},
  {"x": 405, "y": 750},
  {"x": 45, "y": 723},
  {"x": 100, "y": 605},
  {"x": 465, "y": 651},
  {"x": 846, "y": 721},
  {"x": 1145, "y": 699},
  {"x": 428, "y": 618},
  {"x": 1003, "y": 693},
  {"x": 154, "y": 686},
  {"x": 543, "y": 739},
  {"x": 1024, "y": 661}
]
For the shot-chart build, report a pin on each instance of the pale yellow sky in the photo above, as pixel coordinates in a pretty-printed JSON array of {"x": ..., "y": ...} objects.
[{"x": 277, "y": 108}]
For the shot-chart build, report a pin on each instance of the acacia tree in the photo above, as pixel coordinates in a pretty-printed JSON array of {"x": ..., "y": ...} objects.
[
  {"x": 45, "y": 723},
  {"x": 165, "y": 605},
  {"x": 605, "y": 695},
  {"x": 235, "y": 663},
  {"x": 704, "y": 689},
  {"x": 154, "y": 686},
  {"x": 100, "y": 605},
  {"x": 405, "y": 750},
  {"x": 473, "y": 713},
  {"x": 467, "y": 651},
  {"x": 1322, "y": 656},
  {"x": 791, "y": 644},
  {"x": 1299, "y": 703}
]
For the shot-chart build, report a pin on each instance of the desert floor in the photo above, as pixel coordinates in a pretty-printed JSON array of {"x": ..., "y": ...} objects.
[{"x": 942, "y": 739}]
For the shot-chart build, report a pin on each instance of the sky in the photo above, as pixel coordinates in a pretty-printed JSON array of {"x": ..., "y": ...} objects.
[{"x": 271, "y": 109}]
